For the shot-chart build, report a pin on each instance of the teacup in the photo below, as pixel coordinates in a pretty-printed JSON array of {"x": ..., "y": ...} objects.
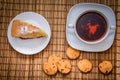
[{"x": 91, "y": 27}]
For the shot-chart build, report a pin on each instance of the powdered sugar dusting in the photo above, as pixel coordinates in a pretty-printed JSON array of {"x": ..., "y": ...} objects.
[{"x": 25, "y": 30}]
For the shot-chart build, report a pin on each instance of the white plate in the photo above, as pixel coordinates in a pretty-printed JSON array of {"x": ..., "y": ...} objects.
[
  {"x": 73, "y": 14},
  {"x": 30, "y": 46}
]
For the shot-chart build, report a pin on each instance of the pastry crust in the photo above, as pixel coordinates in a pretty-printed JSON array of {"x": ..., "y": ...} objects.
[{"x": 26, "y": 30}]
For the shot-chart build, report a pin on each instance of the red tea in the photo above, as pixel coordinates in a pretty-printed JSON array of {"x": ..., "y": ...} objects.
[{"x": 91, "y": 26}]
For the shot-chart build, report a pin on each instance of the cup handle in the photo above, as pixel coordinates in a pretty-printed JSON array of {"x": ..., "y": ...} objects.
[
  {"x": 112, "y": 27},
  {"x": 70, "y": 26}
]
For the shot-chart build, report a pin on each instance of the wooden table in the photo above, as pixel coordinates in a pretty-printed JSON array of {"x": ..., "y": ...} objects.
[{"x": 16, "y": 66}]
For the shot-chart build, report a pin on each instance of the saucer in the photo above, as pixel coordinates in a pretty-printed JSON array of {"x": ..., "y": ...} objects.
[
  {"x": 30, "y": 46},
  {"x": 76, "y": 43}
]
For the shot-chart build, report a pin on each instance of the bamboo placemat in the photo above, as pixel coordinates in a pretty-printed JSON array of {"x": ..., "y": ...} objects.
[{"x": 16, "y": 66}]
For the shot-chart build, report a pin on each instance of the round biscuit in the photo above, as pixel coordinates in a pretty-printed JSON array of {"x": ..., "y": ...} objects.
[
  {"x": 64, "y": 66},
  {"x": 105, "y": 67},
  {"x": 84, "y": 65},
  {"x": 72, "y": 53},
  {"x": 50, "y": 68},
  {"x": 55, "y": 58}
]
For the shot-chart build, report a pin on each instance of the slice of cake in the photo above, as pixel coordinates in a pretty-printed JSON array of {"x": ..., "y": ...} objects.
[{"x": 26, "y": 30}]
